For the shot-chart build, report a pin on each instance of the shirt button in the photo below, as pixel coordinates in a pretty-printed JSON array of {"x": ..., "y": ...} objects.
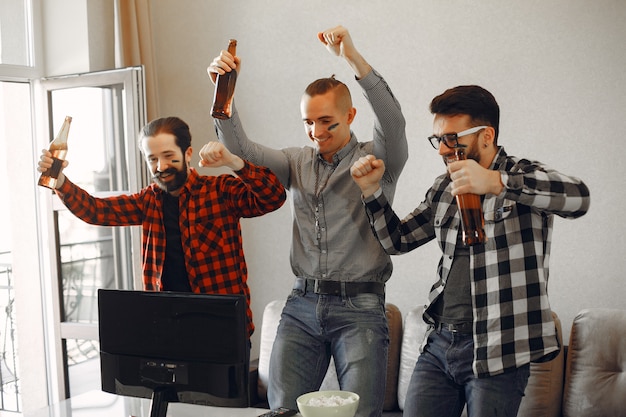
[
  {"x": 324, "y": 275},
  {"x": 437, "y": 222},
  {"x": 323, "y": 250}
]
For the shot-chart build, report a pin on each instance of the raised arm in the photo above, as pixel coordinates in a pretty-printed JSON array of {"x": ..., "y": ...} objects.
[
  {"x": 231, "y": 133},
  {"x": 255, "y": 191},
  {"x": 339, "y": 42},
  {"x": 389, "y": 132},
  {"x": 45, "y": 163},
  {"x": 367, "y": 172},
  {"x": 539, "y": 186},
  {"x": 389, "y": 135},
  {"x": 215, "y": 155}
]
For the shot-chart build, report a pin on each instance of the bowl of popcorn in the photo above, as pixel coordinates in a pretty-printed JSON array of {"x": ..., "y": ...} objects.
[{"x": 328, "y": 404}]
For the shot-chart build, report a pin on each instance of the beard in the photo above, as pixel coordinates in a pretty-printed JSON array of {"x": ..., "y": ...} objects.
[
  {"x": 472, "y": 151},
  {"x": 180, "y": 177}
]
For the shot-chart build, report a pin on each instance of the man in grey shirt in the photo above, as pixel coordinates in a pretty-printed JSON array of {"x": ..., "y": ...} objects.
[{"x": 337, "y": 307}]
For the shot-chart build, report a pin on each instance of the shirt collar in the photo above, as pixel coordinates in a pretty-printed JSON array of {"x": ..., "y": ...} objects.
[
  {"x": 499, "y": 159},
  {"x": 341, "y": 153}
]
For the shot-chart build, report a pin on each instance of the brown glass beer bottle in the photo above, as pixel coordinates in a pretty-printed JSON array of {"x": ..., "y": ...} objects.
[
  {"x": 225, "y": 88},
  {"x": 58, "y": 149},
  {"x": 470, "y": 208}
]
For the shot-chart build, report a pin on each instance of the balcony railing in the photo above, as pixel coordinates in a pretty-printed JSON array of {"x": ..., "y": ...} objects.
[
  {"x": 85, "y": 266},
  {"x": 10, "y": 399}
]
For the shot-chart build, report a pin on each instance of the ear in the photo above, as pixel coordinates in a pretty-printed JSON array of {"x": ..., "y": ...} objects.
[
  {"x": 351, "y": 115},
  {"x": 188, "y": 155},
  {"x": 488, "y": 136}
]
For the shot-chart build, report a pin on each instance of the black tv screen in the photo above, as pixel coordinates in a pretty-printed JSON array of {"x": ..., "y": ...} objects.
[{"x": 174, "y": 347}]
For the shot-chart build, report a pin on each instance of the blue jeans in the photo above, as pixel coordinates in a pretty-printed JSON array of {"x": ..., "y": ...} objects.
[
  {"x": 443, "y": 382},
  {"x": 312, "y": 328}
]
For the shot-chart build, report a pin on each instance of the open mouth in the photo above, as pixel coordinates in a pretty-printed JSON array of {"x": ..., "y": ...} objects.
[
  {"x": 319, "y": 140},
  {"x": 165, "y": 174}
]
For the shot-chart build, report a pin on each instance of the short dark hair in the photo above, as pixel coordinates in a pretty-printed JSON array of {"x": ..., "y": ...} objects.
[
  {"x": 324, "y": 85},
  {"x": 479, "y": 104},
  {"x": 172, "y": 125}
]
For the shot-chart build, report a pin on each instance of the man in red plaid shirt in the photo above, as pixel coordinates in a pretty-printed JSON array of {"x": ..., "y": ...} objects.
[{"x": 191, "y": 237}]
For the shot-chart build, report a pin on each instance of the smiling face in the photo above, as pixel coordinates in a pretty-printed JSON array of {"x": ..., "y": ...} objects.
[
  {"x": 167, "y": 163},
  {"x": 479, "y": 145},
  {"x": 327, "y": 122}
]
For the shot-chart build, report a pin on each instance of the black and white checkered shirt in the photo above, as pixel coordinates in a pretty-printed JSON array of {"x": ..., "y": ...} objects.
[{"x": 513, "y": 324}]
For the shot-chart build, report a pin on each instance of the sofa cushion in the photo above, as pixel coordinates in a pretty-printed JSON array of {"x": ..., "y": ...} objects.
[
  {"x": 414, "y": 333},
  {"x": 595, "y": 375},
  {"x": 544, "y": 391},
  {"x": 269, "y": 326}
]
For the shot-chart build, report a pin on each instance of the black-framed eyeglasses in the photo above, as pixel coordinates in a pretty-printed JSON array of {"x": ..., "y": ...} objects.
[{"x": 452, "y": 139}]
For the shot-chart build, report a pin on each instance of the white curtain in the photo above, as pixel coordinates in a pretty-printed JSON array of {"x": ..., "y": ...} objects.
[{"x": 134, "y": 46}]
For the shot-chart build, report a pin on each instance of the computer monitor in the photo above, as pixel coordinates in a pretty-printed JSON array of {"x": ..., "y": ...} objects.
[{"x": 174, "y": 347}]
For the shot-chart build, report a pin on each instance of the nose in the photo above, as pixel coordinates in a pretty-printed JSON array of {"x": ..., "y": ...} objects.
[
  {"x": 161, "y": 165},
  {"x": 318, "y": 130},
  {"x": 443, "y": 148}
]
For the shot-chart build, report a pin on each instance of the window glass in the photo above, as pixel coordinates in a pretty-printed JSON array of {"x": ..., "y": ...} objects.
[
  {"x": 90, "y": 140},
  {"x": 87, "y": 263},
  {"x": 15, "y": 40},
  {"x": 103, "y": 160},
  {"x": 14, "y": 123}
]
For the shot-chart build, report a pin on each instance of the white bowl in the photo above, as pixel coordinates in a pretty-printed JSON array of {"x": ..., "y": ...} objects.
[{"x": 341, "y": 408}]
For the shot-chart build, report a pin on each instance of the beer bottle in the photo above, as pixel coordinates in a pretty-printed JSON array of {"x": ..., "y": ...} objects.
[
  {"x": 224, "y": 89},
  {"x": 58, "y": 149}
]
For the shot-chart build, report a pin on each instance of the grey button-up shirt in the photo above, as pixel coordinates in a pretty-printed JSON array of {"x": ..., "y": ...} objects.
[{"x": 332, "y": 238}]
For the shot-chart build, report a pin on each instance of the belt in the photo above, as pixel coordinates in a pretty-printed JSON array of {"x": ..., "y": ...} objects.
[
  {"x": 326, "y": 287},
  {"x": 465, "y": 327}
]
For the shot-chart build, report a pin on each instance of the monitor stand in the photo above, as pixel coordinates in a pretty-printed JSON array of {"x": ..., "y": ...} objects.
[{"x": 161, "y": 397}]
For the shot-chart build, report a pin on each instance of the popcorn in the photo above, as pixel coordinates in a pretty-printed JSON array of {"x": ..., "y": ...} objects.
[{"x": 332, "y": 401}]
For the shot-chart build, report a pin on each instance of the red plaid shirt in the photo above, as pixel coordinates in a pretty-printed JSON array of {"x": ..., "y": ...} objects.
[{"x": 210, "y": 209}]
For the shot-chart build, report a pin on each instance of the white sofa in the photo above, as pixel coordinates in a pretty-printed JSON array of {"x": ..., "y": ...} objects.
[{"x": 586, "y": 379}]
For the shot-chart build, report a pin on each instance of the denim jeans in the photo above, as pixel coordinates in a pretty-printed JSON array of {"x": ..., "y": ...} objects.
[
  {"x": 312, "y": 328},
  {"x": 443, "y": 382}
]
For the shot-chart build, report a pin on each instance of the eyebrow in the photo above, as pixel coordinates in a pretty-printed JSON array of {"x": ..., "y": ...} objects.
[
  {"x": 321, "y": 118},
  {"x": 168, "y": 153}
]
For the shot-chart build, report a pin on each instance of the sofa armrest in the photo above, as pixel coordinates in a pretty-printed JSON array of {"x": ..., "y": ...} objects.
[
  {"x": 596, "y": 360},
  {"x": 544, "y": 391}
]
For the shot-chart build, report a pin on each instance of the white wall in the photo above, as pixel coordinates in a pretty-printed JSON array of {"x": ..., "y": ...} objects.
[
  {"x": 556, "y": 68},
  {"x": 78, "y": 36}
]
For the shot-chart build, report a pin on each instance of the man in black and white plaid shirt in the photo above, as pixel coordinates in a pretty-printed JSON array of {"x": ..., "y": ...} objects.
[{"x": 488, "y": 312}]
